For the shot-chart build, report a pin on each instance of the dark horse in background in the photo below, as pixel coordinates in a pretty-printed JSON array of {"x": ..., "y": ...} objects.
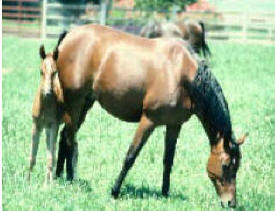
[
  {"x": 151, "y": 81},
  {"x": 191, "y": 31}
]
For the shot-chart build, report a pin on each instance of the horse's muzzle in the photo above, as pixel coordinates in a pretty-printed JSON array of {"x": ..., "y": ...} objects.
[{"x": 228, "y": 204}]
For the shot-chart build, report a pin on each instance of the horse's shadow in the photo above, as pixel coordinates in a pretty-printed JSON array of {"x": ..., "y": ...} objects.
[
  {"x": 82, "y": 184},
  {"x": 131, "y": 192}
]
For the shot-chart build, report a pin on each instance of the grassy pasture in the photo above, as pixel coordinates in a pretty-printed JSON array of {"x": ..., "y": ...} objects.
[{"x": 246, "y": 73}]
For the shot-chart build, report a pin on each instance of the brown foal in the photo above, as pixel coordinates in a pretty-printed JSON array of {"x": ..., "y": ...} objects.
[{"x": 47, "y": 111}]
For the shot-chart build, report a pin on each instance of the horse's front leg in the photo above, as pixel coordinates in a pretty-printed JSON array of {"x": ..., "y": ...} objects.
[
  {"x": 51, "y": 134},
  {"x": 66, "y": 151},
  {"x": 36, "y": 130},
  {"x": 62, "y": 153},
  {"x": 145, "y": 128},
  {"x": 172, "y": 133}
]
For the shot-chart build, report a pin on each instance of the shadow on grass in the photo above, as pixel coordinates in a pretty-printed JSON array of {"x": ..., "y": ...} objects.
[
  {"x": 240, "y": 208},
  {"x": 82, "y": 184},
  {"x": 144, "y": 192}
]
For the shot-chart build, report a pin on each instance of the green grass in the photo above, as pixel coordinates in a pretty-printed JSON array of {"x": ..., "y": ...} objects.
[{"x": 246, "y": 73}]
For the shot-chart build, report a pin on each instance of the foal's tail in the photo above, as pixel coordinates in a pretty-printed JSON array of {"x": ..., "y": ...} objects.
[
  {"x": 61, "y": 37},
  {"x": 205, "y": 48}
]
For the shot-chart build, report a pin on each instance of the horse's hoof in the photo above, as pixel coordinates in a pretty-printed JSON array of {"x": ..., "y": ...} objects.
[
  {"x": 58, "y": 175},
  {"x": 165, "y": 193},
  {"x": 115, "y": 193},
  {"x": 70, "y": 178}
]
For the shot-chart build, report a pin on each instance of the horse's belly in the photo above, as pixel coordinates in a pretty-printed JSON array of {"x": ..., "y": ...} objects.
[
  {"x": 169, "y": 115},
  {"x": 127, "y": 107}
]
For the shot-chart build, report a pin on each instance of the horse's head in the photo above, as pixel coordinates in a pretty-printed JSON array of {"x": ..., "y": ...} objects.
[
  {"x": 151, "y": 30},
  {"x": 49, "y": 81},
  {"x": 223, "y": 164}
]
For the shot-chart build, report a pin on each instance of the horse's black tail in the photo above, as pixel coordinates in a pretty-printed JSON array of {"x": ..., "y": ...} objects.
[
  {"x": 205, "y": 49},
  {"x": 61, "y": 37}
]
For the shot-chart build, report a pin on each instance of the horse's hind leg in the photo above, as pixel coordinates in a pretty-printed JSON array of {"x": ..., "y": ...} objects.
[
  {"x": 145, "y": 128},
  {"x": 172, "y": 133},
  {"x": 34, "y": 146}
]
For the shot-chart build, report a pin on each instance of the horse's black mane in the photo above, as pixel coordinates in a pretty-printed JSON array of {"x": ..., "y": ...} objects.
[
  {"x": 61, "y": 37},
  {"x": 210, "y": 104}
]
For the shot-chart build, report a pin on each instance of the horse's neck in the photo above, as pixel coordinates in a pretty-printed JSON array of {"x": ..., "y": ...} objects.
[{"x": 210, "y": 105}]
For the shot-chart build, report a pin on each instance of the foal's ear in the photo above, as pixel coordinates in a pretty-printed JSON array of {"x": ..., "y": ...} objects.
[
  {"x": 42, "y": 52},
  {"x": 241, "y": 140}
]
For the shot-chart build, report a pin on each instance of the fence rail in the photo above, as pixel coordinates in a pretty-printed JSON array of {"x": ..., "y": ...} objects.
[
  {"x": 49, "y": 19},
  {"x": 21, "y": 17}
]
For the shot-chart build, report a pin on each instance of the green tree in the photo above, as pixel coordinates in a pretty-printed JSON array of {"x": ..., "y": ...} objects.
[{"x": 161, "y": 5}]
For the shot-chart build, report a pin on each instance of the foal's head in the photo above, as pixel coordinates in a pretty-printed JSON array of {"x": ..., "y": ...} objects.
[
  {"x": 223, "y": 164},
  {"x": 49, "y": 82}
]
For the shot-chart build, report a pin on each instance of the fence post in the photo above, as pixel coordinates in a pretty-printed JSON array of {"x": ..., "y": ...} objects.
[
  {"x": 174, "y": 12},
  {"x": 44, "y": 20},
  {"x": 103, "y": 11},
  {"x": 244, "y": 26}
]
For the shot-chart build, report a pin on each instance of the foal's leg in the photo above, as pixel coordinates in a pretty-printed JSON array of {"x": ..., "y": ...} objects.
[
  {"x": 145, "y": 128},
  {"x": 172, "y": 133},
  {"x": 36, "y": 130},
  {"x": 51, "y": 134}
]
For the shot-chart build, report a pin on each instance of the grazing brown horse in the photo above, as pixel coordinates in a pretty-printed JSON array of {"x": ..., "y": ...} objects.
[
  {"x": 150, "y": 81},
  {"x": 191, "y": 31},
  {"x": 47, "y": 111}
]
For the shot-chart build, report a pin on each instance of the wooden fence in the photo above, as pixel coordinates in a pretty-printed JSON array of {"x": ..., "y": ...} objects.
[
  {"x": 21, "y": 17},
  {"x": 53, "y": 18},
  {"x": 245, "y": 26}
]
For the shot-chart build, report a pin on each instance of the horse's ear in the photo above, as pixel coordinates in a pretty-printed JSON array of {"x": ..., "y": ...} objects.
[
  {"x": 241, "y": 140},
  {"x": 42, "y": 52}
]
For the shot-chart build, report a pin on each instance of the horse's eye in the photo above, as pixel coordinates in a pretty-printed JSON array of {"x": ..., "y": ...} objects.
[{"x": 224, "y": 167}]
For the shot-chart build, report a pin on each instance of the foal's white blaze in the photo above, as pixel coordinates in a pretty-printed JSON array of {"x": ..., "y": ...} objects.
[{"x": 47, "y": 80}]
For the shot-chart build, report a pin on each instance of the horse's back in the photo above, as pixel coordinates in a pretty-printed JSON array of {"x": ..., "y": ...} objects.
[{"x": 82, "y": 50}]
